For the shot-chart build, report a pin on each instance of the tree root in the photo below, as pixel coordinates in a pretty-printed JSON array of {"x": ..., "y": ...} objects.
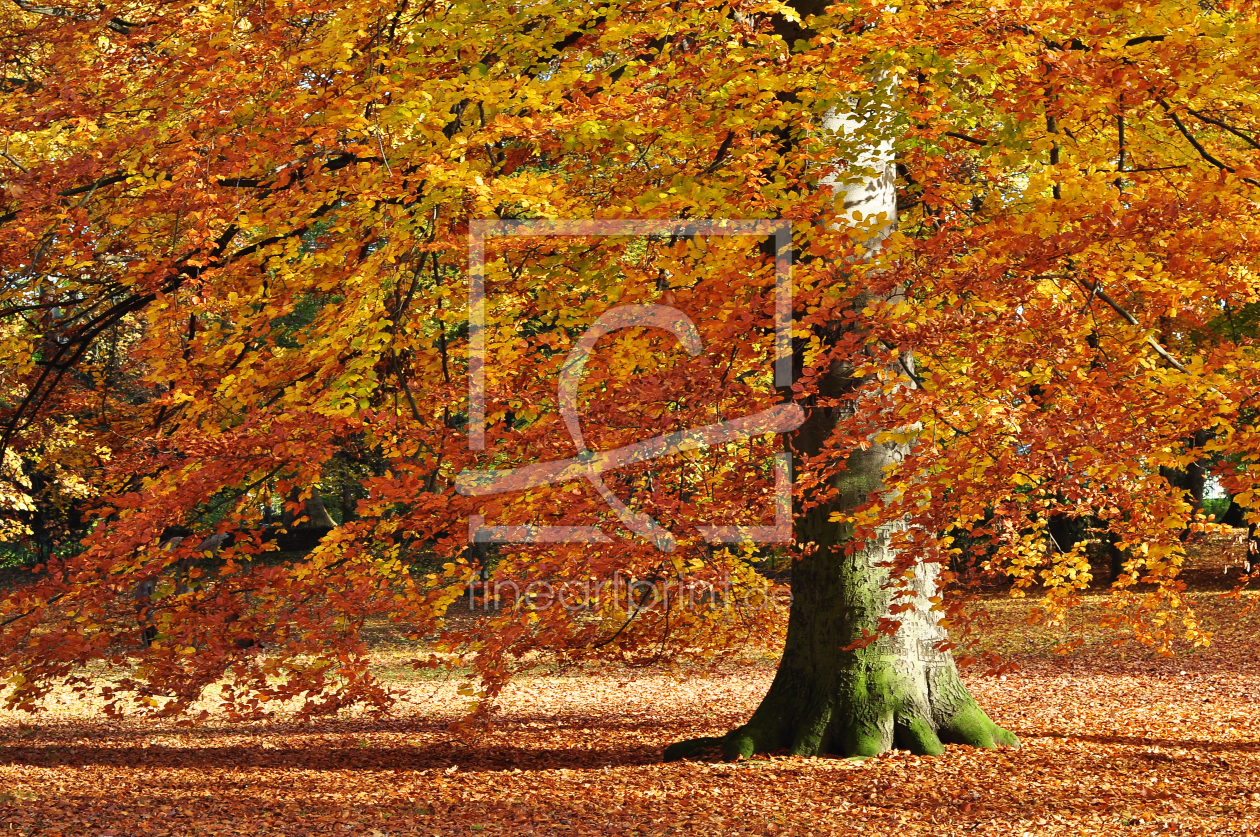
[
  {"x": 911, "y": 731},
  {"x": 971, "y": 726},
  {"x": 685, "y": 749}
]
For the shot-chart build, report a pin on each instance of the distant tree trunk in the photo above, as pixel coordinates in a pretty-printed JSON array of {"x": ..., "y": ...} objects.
[
  {"x": 348, "y": 500},
  {"x": 317, "y": 517},
  {"x": 40, "y": 518},
  {"x": 1236, "y": 516},
  {"x": 268, "y": 514},
  {"x": 899, "y": 691},
  {"x": 1066, "y": 532},
  {"x": 1115, "y": 557},
  {"x": 1191, "y": 481}
]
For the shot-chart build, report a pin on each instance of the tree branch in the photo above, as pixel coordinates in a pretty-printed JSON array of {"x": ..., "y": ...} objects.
[
  {"x": 1095, "y": 289},
  {"x": 1247, "y": 138},
  {"x": 1203, "y": 152},
  {"x": 958, "y": 136},
  {"x": 117, "y": 24}
]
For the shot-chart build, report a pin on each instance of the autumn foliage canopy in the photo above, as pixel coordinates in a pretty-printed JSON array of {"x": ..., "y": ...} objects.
[{"x": 234, "y": 266}]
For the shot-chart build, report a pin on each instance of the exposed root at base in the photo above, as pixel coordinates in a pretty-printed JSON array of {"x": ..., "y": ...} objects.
[
  {"x": 692, "y": 747},
  {"x": 970, "y": 727}
]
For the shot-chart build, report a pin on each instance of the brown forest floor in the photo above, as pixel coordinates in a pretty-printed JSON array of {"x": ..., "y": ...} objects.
[{"x": 1115, "y": 742}]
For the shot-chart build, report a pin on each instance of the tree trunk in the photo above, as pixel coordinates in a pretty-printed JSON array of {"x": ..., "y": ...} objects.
[
  {"x": 896, "y": 692},
  {"x": 1236, "y": 516},
  {"x": 348, "y": 501},
  {"x": 1191, "y": 481},
  {"x": 899, "y": 691},
  {"x": 316, "y": 516}
]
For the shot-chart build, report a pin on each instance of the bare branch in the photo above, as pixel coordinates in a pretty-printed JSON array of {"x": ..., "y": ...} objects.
[{"x": 6, "y": 155}]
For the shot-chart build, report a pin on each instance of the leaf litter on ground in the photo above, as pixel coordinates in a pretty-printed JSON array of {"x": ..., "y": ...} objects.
[{"x": 1115, "y": 741}]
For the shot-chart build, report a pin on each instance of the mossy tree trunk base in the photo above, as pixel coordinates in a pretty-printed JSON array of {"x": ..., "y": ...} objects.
[
  {"x": 898, "y": 692},
  {"x": 831, "y": 696},
  {"x": 872, "y": 714}
]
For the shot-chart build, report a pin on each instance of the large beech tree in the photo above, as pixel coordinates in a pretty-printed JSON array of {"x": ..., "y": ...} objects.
[
  {"x": 235, "y": 241},
  {"x": 835, "y": 691}
]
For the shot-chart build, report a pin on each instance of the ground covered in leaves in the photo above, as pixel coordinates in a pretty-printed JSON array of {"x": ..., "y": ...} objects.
[{"x": 1115, "y": 741}]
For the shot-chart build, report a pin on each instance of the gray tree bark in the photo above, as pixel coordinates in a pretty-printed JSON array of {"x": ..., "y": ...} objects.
[{"x": 313, "y": 510}]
